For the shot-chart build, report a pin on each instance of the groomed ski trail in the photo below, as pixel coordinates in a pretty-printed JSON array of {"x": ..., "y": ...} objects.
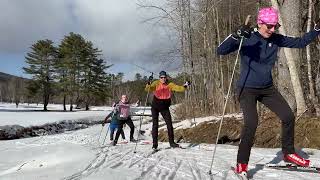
[
  {"x": 166, "y": 164},
  {"x": 78, "y": 156}
]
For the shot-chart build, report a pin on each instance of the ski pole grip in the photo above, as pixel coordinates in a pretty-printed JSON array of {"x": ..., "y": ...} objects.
[{"x": 247, "y": 20}]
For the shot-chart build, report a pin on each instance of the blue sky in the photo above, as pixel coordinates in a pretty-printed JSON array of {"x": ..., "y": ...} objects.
[
  {"x": 12, "y": 64},
  {"x": 114, "y": 26}
]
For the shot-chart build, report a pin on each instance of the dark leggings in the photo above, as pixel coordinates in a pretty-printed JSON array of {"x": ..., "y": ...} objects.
[
  {"x": 275, "y": 102},
  {"x": 130, "y": 124},
  {"x": 165, "y": 112}
]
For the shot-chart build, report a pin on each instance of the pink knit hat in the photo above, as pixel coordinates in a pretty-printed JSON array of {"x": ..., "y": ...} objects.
[{"x": 268, "y": 16}]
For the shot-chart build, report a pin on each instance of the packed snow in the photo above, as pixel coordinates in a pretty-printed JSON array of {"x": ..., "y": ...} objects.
[{"x": 80, "y": 154}]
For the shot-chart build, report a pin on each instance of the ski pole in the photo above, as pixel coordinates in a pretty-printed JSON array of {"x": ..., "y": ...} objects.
[
  {"x": 105, "y": 137},
  {"x": 144, "y": 109},
  {"x": 225, "y": 103},
  {"x": 113, "y": 109},
  {"x": 100, "y": 134}
]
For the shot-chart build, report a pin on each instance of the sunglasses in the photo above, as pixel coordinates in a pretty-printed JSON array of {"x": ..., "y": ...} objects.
[
  {"x": 270, "y": 26},
  {"x": 163, "y": 77}
]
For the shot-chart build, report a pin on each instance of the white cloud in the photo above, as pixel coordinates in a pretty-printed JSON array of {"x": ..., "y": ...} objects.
[
  {"x": 24, "y": 22},
  {"x": 114, "y": 26}
]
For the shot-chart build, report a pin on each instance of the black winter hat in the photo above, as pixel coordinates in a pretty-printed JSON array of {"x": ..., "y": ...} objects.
[{"x": 162, "y": 73}]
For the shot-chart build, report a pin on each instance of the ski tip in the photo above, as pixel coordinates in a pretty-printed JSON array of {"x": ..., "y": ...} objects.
[{"x": 176, "y": 147}]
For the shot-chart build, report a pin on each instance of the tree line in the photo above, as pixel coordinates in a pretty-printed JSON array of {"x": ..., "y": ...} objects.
[
  {"x": 201, "y": 25},
  {"x": 74, "y": 71},
  {"x": 135, "y": 89},
  {"x": 12, "y": 88}
]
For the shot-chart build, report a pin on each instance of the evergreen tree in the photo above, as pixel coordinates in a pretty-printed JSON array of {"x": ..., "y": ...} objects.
[
  {"x": 72, "y": 54},
  {"x": 119, "y": 77},
  {"x": 138, "y": 76},
  {"x": 41, "y": 61},
  {"x": 95, "y": 80},
  {"x": 62, "y": 83}
]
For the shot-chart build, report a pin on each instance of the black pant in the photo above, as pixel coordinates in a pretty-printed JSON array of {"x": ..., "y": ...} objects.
[
  {"x": 130, "y": 124},
  {"x": 270, "y": 97},
  {"x": 165, "y": 112}
]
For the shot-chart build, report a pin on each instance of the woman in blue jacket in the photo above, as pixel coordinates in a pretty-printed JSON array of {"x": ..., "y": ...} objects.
[
  {"x": 114, "y": 124},
  {"x": 258, "y": 55}
]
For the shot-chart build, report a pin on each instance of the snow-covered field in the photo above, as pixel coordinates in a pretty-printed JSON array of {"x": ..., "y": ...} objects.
[
  {"x": 31, "y": 115},
  {"x": 79, "y": 155}
]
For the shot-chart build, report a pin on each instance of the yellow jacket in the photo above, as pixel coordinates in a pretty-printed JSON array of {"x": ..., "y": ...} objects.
[{"x": 163, "y": 91}]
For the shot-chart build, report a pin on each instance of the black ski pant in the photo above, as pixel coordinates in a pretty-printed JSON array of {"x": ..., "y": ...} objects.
[
  {"x": 270, "y": 97},
  {"x": 165, "y": 112},
  {"x": 130, "y": 124}
]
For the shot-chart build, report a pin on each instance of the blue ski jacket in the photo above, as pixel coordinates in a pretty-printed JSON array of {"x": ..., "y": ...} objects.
[
  {"x": 258, "y": 55},
  {"x": 114, "y": 119}
]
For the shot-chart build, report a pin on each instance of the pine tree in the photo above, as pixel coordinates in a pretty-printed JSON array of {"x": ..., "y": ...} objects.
[
  {"x": 41, "y": 61},
  {"x": 71, "y": 50},
  {"x": 138, "y": 76},
  {"x": 95, "y": 80}
]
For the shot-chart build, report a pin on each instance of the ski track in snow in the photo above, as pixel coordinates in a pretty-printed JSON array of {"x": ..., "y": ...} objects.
[
  {"x": 192, "y": 163},
  {"x": 169, "y": 164},
  {"x": 77, "y": 155},
  {"x": 181, "y": 164}
]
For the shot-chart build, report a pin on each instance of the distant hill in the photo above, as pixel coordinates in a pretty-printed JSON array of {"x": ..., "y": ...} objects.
[
  {"x": 12, "y": 87},
  {"x": 4, "y": 77}
]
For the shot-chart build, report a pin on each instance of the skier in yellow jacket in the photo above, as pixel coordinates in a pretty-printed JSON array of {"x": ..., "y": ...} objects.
[{"x": 161, "y": 102}]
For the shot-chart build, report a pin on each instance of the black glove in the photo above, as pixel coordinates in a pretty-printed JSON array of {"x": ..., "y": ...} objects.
[
  {"x": 317, "y": 25},
  {"x": 150, "y": 79},
  {"x": 186, "y": 84},
  {"x": 242, "y": 31}
]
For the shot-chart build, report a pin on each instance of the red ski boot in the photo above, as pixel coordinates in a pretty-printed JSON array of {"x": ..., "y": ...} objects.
[
  {"x": 241, "y": 170},
  {"x": 296, "y": 159}
]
